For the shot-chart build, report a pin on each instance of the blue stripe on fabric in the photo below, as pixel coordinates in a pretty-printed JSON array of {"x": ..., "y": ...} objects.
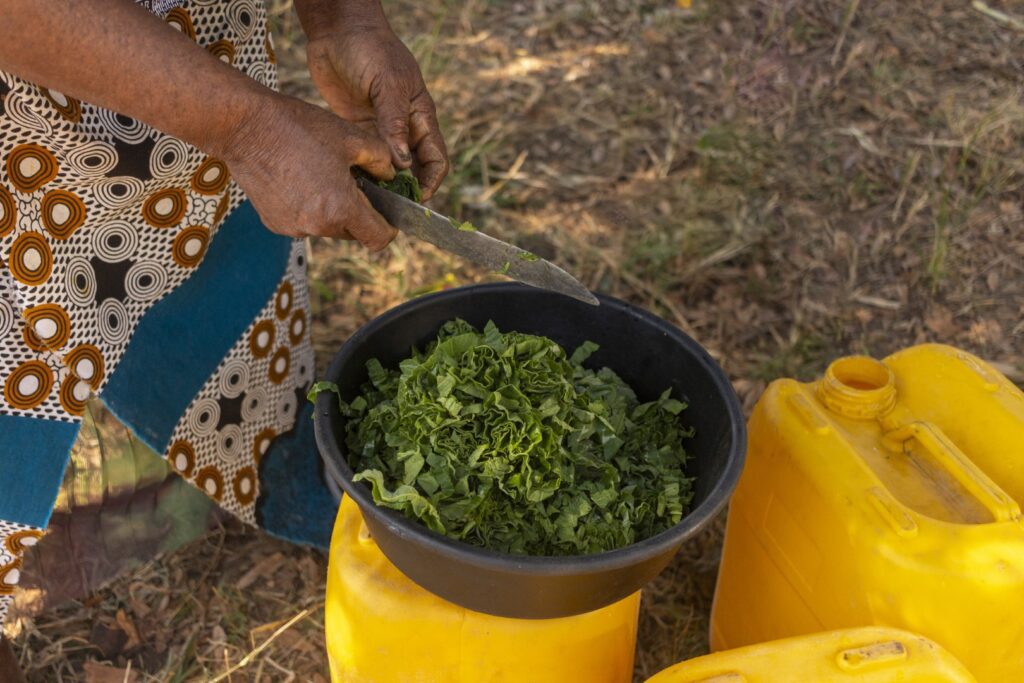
[
  {"x": 182, "y": 339},
  {"x": 34, "y": 453}
]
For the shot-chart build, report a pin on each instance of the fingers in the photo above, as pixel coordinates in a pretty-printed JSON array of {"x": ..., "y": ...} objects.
[
  {"x": 359, "y": 220},
  {"x": 371, "y": 154},
  {"x": 392, "y": 107},
  {"x": 431, "y": 153}
]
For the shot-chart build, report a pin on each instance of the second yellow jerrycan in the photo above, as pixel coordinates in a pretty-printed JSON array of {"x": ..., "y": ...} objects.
[
  {"x": 383, "y": 628},
  {"x": 870, "y": 654},
  {"x": 885, "y": 493}
]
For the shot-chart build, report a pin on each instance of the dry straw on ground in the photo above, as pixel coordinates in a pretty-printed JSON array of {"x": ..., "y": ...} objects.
[{"x": 787, "y": 181}]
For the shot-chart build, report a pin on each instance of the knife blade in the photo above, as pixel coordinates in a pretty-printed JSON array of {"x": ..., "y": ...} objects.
[{"x": 428, "y": 225}]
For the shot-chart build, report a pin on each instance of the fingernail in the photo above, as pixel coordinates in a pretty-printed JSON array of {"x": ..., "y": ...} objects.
[{"x": 403, "y": 153}]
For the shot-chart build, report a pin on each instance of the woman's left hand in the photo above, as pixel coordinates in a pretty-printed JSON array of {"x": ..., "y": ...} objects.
[{"x": 368, "y": 77}]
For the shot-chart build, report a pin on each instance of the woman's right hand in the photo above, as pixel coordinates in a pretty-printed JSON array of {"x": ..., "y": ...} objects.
[{"x": 294, "y": 161}]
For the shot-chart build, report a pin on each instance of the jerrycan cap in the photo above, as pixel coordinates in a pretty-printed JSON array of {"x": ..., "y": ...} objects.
[{"x": 859, "y": 387}]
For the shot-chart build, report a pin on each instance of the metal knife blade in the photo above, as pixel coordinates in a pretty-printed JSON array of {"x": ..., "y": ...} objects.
[{"x": 428, "y": 225}]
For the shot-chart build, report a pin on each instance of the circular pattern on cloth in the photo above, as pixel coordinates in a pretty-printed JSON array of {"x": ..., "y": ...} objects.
[
  {"x": 203, "y": 418},
  {"x": 86, "y": 361},
  {"x": 20, "y": 107},
  {"x": 10, "y": 574},
  {"x": 165, "y": 208},
  {"x": 261, "y": 444},
  {"x": 8, "y": 212},
  {"x": 73, "y": 394},
  {"x": 297, "y": 327},
  {"x": 69, "y": 107},
  {"x": 283, "y": 300},
  {"x": 286, "y": 410},
  {"x": 261, "y": 340},
  {"x": 182, "y": 457},
  {"x": 28, "y": 385},
  {"x": 18, "y": 542},
  {"x": 47, "y": 328},
  {"x": 79, "y": 282},
  {"x": 241, "y": 17},
  {"x": 113, "y": 321},
  {"x": 210, "y": 481},
  {"x": 230, "y": 443},
  {"x": 168, "y": 158},
  {"x": 223, "y": 49},
  {"x": 145, "y": 281},
  {"x": 190, "y": 246},
  {"x": 93, "y": 159},
  {"x": 279, "y": 365},
  {"x": 234, "y": 378},
  {"x": 258, "y": 72},
  {"x": 30, "y": 166},
  {"x": 7, "y": 317},
  {"x": 211, "y": 177},
  {"x": 63, "y": 212},
  {"x": 30, "y": 259},
  {"x": 244, "y": 485},
  {"x": 254, "y": 404},
  {"x": 181, "y": 20},
  {"x": 123, "y": 127},
  {"x": 114, "y": 241},
  {"x": 118, "y": 192}
]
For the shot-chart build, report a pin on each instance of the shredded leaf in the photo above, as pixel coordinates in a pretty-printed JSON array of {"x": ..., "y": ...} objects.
[
  {"x": 527, "y": 256},
  {"x": 405, "y": 184},
  {"x": 504, "y": 441},
  {"x": 504, "y": 268}
]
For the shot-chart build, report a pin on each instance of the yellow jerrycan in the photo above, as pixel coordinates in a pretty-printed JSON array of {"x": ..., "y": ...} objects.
[
  {"x": 383, "y": 628},
  {"x": 885, "y": 493},
  {"x": 870, "y": 654}
]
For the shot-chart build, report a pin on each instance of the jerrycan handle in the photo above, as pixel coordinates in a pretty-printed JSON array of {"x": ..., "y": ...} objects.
[{"x": 959, "y": 466}]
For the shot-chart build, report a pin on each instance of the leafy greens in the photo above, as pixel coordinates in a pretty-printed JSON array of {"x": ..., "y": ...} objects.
[{"x": 502, "y": 440}]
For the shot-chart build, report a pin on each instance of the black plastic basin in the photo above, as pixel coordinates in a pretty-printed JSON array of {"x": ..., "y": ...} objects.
[{"x": 648, "y": 353}]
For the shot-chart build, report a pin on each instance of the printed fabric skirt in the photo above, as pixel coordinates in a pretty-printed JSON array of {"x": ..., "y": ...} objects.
[{"x": 133, "y": 269}]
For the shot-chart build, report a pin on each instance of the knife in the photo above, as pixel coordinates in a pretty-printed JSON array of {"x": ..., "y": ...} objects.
[{"x": 428, "y": 225}]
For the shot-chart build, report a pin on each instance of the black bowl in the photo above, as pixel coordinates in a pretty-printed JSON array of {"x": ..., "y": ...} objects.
[{"x": 647, "y": 352}]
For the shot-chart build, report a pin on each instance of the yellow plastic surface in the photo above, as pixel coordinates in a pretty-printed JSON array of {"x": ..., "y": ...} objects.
[
  {"x": 870, "y": 654},
  {"x": 383, "y": 628},
  {"x": 886, "y": 493}
]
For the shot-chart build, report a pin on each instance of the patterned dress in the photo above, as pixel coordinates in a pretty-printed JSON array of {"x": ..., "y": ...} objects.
[{"x": 132, "y": 268}]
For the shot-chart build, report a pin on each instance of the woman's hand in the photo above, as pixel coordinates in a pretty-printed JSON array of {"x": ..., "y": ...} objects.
[
  {"x": 369, "y": 77},
  {"x": 294, "y": 162}
]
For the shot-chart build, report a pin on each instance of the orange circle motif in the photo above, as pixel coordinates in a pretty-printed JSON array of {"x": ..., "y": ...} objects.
[
  {"x": 283, "y": 302},
  {"x": 30, "y": 259},
  {"x": 86, "y": 361},
  {"x": 19, "y": 541},
  {"x": 180, "y": 19},
  {"x": 224, "y": 50},
  {"x": 210, "y": 482},
  {"x": 244, "y": 485},
  {"x": 190, "y": 246},
  {"x": 7, "y": 581},
  {"x": 182, "y": 457},
  {"x": 297, "y": 328},
  {"x": 30, "y": 166},
  {"x": 261, "y": 340},
  {"x": 69, "y": 107},
  {"x": 28, "y": 385},
  {"x": 73, "y": 394},
  {"x": 48, "y": 327},
  {"x": 8, "y": 212},
  {"x": 279, "y": 365},
  {"x": 211, "y": 177},
  {"x": 165, "y": 209},
  {"x": 63, "y": 213},
  {"x": 261, "y": 443}
]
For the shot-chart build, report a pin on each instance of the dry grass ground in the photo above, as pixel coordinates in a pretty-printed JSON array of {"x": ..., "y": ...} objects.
[{"x": 786, "y": 180}]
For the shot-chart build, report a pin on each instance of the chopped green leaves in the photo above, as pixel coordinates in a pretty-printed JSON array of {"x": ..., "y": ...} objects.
[
  {"x": 405, "y": 184},
  {"x": 527, "y": 256},
  {"x": 504, "y": 441},
  {"x": 504, "y": 268},
  {"x": 464, "y": 226}
]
